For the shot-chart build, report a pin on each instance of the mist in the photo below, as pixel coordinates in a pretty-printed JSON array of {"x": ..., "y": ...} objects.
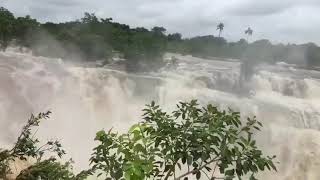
[{"x": 85, "y": 100}]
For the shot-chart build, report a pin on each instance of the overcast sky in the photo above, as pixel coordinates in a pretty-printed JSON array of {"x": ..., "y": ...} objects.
[{"x": 296, "y": 21}]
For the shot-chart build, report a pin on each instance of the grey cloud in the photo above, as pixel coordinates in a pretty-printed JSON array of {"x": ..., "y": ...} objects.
[
  {"x": 278, "y": 20},
  {"x": 64, "y": 3},
  {"x": 263, "y": 8},
  {"x": 259, "y": 8}
]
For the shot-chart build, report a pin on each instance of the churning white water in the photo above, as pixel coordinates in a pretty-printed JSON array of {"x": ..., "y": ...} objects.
[{"x": 85, "y": 100}]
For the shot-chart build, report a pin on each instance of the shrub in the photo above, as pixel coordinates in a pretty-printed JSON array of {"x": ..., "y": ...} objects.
[{"x": 200, "y": 140}]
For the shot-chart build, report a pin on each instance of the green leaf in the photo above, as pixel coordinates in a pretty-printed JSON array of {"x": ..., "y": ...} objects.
[
  {"x": 137, "y": 171},
  {"x": 167, "y": 168},
  {"x": 127, "y": 175},
  {"x": 184, "y": 160},
  {"x": 273, "y": 166},
  {"x": 118, "y": 174},
  {"x": 157, "y": 142},
  {"x": 100, "y": 135},
  {"x": 195, "y": 165},
  {"x": 230, "y": 172},
  {"x": 208, "y": 168},
  {"x": 252, "y": 177},
  {"x": 134, "y": 127},
  {"x": 198, "y": 175},
  {"x": 139, "y": 148},
  {"x": 179, "y": 165}
]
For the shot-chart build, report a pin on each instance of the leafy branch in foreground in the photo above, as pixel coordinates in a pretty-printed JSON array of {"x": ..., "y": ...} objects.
[
  {"x": 26, "y": 142},
  {"x": 26, "y": 148},
  {"x": 192, "y": 141}
]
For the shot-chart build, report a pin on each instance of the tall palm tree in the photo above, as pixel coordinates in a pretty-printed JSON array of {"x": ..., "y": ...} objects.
[
  {"x": 220, "y": 27},
  {"x": 249, "y": 32}
]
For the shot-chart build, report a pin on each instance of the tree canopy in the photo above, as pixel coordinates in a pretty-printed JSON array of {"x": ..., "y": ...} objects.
[
  {"x": 220, "y": 27},
  {"x": 92, "y": 38}
]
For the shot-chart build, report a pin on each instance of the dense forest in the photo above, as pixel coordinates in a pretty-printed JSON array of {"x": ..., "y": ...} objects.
[{"x": 92, "y": 38}]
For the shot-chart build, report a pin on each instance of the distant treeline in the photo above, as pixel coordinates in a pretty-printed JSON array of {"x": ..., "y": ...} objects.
[
  {"x": 260, "y": 51},
  {"x": 92, "y": 38}
]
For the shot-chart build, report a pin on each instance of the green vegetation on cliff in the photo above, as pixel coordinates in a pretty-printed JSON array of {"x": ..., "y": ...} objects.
[{"x": 92, "y": 38}]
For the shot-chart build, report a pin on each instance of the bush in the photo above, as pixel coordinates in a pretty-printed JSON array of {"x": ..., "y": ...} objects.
[
  {"x": 27, "y": 148},
  {"x": 200, "y": 140},
  {"x": 192, "y": 141}
]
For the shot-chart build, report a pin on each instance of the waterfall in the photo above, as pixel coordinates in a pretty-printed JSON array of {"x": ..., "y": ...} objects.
[{"x": 85, "y": 100}]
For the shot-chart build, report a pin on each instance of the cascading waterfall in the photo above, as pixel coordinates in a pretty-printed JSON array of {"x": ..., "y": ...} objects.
[{"x": 85, "y": 100}]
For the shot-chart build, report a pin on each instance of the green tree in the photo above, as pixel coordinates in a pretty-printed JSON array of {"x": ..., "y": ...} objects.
[
  {"x": 220, "y": 27},
  {"x": 93, "y": 38},
  {"x": 25, "y": 29},
  {"x": 89, "y": 18},
  {"x": 249, "y": 32},
  {"x": 312, "y": 55},
  {"x": 6, "y": 27},
  {"x": 175, "y": 37},
  {"x": 159, "y": 30},
  {"x": 192, "y": 141}
]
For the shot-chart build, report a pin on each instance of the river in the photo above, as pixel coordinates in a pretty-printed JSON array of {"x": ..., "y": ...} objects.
[{"x": 284, "y": 98}]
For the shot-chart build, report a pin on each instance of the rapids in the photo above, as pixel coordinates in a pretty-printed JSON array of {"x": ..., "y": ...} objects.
[{"x": 84, "y": 100}]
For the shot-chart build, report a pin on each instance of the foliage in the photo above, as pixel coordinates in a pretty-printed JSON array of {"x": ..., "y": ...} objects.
[
  {"x": 47, "y": 169},
  {"x": 26, "y": 148},
  {"x": 6, "y": 27},
  {"x": 25, "y": 28},
  {"x": 93, "y": 38},
  {"x": 192, "y": 141},
  {"x": 220, "y": 27},
  {"x": 53, "y": 170},
  {"x": 201, "y": 140},
  {"x": 249, "y": 31}
]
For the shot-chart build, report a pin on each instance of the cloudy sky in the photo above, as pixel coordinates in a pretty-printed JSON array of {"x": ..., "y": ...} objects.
[{"x": 295, "y": 21}]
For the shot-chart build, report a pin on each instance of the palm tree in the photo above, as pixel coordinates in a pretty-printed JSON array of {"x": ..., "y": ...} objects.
[
  {"x": 220, "y": 28},
  {"x": 249, "y": 32}
]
